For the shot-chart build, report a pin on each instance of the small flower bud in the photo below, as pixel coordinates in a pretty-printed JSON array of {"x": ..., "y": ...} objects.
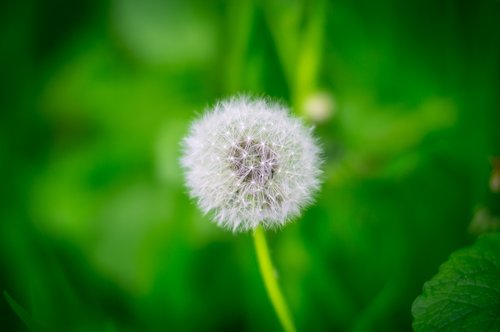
[
  {"x": 319, "y": 106},
  {"x": 495, "y": 175}
]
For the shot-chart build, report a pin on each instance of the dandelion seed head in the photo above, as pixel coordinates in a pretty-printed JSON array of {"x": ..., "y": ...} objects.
[{"x": 266, "y": 166}]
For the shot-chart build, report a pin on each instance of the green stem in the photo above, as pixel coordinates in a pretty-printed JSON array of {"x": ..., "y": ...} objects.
[{"x": 269, "y": 277}]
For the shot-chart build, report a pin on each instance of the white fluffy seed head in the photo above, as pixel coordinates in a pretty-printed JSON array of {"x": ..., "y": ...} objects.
[{"x": 250, "y": 163}]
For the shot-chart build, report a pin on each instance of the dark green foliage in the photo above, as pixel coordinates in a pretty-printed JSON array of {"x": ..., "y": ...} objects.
[
  {"x": 465, "y": 294},
  {"x": 21, "y": 313},
  {"x": 96, "y": 230}
]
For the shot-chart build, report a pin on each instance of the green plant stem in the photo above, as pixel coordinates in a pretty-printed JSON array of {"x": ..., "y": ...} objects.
[{"x": 270, "y": 281}]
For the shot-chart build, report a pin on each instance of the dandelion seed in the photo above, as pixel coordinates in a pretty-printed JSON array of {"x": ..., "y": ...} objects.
[{"x": 243, "y": 185}]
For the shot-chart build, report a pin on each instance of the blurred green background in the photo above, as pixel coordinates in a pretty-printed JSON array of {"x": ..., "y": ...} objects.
[{"x": 97, "y": 232}]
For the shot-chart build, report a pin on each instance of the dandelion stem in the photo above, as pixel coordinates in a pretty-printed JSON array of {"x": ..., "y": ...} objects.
[{"x": 270, "y": 281}]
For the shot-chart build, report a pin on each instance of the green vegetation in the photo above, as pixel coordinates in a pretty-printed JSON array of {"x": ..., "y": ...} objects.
[
  {"x": 464, "y": 296},
  {"x": 97, "y": 232}
]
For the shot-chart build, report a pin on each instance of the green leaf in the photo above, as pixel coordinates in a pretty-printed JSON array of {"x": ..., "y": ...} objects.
[
  {"x": 21, "y": 313},
  {"x": 465, "y": 294}
]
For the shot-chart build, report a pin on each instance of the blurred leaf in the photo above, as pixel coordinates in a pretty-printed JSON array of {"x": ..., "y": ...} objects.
[
  {"x": 465, "y": 294},
  {"x": 164, "y": 32},
  {"x": 21, "y": 313}
]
